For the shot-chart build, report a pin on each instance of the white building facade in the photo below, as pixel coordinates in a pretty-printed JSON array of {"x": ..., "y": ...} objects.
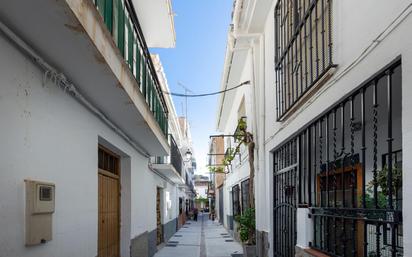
[
  {"x": 328, "y": 107},
  {"x": 84, "y": 113}
]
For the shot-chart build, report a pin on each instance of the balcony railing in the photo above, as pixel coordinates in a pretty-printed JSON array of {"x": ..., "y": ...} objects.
[
  {"x": 175, "y": 158},
  {"x": 121, "y": 20}
]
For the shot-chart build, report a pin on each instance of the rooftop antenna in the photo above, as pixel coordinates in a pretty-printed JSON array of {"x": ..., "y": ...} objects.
[{"x": 190, "y": 91}]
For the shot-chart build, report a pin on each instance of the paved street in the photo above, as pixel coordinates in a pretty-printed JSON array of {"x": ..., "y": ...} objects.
[{"x": 203, "y": 238}]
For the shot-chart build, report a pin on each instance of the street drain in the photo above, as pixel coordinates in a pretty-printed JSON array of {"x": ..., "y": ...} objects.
[
  {"x": 171, "y": 245},
  {"x": 177, "y": 235},
  {"x": 173, "y": 242},
  {"x": 229, "y": 240}
]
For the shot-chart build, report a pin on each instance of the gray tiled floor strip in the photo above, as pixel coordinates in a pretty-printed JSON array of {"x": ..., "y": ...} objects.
[{"x": 204, "y": 238}]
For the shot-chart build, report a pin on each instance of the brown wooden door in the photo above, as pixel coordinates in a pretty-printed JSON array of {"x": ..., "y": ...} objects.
[
  {"x": 159, "y": 218},
  {"x": 108, "y": 239}
]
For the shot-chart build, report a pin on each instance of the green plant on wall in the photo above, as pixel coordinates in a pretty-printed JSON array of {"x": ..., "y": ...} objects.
[
  {"x": 201, "y": 200},
  {"x": 382, "y": 179},
  {"x": 247, "y": 223},
  {"x": 217, "y": 169},
  {"x": 382, "y": 187},
  {"x": 243, "y": 137}
]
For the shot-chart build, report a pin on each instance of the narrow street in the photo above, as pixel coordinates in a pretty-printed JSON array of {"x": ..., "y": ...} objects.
[{"x": 203, "y": 238}]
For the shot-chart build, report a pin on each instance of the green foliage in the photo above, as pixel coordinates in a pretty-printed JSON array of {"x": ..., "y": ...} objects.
[
  {"x": 240, "y": 132},
  {"x": 370, "y": 200},
  {"x": 247, "y": 225},
  {"x": 201, "y": 200},
  {"x": 217, "y": 169},
  {"x": 230, "y": 154},
  {"x": 382, "y": 187},
  {"x": 382, "y": 179}
]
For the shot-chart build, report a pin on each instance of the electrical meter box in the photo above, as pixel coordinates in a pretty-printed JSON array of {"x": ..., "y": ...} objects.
[{"x": 39, "y": 211}]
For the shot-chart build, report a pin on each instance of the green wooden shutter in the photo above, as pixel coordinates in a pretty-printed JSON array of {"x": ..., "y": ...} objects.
[
  {"x": 130, "y": 45},
  {"x": 108, "y": 14},
  {"x": 143, "y": 77},
  {"x": 138, "y": 60},
  {"x": 120, "y": 30},
  {"x": 101, "y": 7}
]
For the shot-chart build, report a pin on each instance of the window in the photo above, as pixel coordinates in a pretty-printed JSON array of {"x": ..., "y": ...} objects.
[
  {"x": 236, "y": 200},
  {"x": 245, "y": 195},
  {"x": 303, "y": 48},
  {"x": 108, "y": 161},
  {"x": 180, "y": 205}
]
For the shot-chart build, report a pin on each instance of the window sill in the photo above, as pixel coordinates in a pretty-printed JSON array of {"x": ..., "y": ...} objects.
[{"x": 307, "y": 95}]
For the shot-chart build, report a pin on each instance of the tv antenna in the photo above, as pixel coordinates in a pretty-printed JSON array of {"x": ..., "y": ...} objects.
[{"x": 186, "y": 91}]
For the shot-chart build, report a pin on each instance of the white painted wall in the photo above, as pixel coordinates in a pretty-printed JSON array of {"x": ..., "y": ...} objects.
[
  {"x": 201, "y": 191},
  {"x": 47, "y": 135},
  {"x": 349, "y": 23},
  {"x": 355, "y": 28}
]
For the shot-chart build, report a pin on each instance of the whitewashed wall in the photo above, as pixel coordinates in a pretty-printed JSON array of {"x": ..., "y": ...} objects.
[
  {"x": 46, "y": 135},
  {"x": 355, "y": 26}
]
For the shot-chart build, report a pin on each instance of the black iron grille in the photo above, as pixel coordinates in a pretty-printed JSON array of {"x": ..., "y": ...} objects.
[
  {"x": 303, "y": 48},
  {"x": 348, "y": 165}
]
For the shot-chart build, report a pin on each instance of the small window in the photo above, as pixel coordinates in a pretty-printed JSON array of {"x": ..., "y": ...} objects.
[{"x": 108, "y": 161}]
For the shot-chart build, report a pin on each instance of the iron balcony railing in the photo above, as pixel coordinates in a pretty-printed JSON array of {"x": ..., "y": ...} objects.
[
  {"x": 175, "y": 158},
  {"x": 121, "y": 20}
]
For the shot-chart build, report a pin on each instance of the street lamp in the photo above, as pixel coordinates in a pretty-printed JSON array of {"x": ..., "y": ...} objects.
[{"x": 188, "y": 155}]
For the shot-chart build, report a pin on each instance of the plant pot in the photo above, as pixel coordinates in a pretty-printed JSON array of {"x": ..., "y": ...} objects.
[{"x": 249, "y": 250}]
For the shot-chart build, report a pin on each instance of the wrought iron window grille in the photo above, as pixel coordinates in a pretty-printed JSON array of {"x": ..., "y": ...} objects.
[{"x": 303, "y": 49}]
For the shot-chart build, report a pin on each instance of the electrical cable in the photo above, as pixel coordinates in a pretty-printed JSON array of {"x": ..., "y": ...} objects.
[{"x": 207, "y": 94}]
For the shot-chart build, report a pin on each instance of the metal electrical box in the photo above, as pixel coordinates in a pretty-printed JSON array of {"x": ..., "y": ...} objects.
[{"x": 39, "y": 211}]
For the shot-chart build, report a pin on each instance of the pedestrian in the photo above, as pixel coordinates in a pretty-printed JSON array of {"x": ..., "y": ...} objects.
[{"x": 195, "y": 212}]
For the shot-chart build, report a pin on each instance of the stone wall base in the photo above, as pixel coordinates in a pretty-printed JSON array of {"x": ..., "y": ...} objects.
[
  {"x": 139, "y": 246},
  {"x": 262, "y": 243}
]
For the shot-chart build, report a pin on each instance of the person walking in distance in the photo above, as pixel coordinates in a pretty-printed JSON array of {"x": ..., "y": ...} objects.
[{"x": 195, "y": 212}]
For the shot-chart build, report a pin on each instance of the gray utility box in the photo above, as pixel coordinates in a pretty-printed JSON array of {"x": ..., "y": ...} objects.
[{"x": 39, "y": 211}]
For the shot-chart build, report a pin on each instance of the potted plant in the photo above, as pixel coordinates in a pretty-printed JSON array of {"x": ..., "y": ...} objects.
[{"x": 247, "y": 228}]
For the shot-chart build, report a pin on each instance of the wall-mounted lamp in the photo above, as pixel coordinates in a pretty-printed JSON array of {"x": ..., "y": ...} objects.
[{"x": 188, "y": 155}]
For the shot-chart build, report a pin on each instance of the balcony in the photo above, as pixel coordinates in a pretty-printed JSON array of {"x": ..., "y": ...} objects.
[
  {"x": 121, "y": 20},
  {"x": 99, "y": 47},
  {"x": 170, "y": 166}
]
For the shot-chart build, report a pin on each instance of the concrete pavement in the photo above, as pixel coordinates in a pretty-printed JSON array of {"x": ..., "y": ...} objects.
[{"x": 203, "y": 238}]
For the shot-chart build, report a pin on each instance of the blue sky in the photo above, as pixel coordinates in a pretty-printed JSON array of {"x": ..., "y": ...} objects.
[{"x": 197, "y": 62}]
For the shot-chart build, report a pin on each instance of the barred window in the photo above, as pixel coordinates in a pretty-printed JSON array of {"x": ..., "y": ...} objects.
[
  {"x": 236, "y": 200},
  {"x": 303, "y": 49},
  {"x": 245, "y": 195}
]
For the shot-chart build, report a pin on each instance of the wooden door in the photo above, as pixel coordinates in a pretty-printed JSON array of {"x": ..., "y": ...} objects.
[
  {"x": 108, "y": 207},
  {"x": 159, "y": 218}
]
